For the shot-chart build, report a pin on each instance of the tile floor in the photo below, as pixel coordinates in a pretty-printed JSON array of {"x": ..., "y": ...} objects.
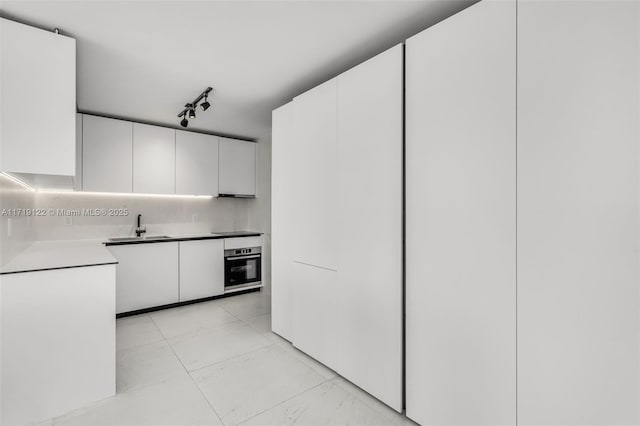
[{"x": 218, "y": 363}]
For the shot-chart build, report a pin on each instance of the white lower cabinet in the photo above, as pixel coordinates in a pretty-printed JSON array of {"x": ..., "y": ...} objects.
[
  {"x": 147, "y": 275},
  {"x": 58, "y": 341},
  {"x": 201, "y": 269}
]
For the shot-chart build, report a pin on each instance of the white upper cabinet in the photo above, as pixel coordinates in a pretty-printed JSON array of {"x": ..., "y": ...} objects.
[
  {"x": 38, "y": 100},
  {"x": 107, "y": 152},
  {"x": 369, "y": 242},
  {"x": 196, "y": 163},
  {"x": 461, "y": 219},
  {"x": 315, "y": 157},
  {"x": 237, "y": 167},
  {"x": 154, "y": 155},
  {"x": 578, "y": 86}
]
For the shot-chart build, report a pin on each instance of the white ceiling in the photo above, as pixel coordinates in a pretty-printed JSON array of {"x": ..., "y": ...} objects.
[{"x": 143, "y": 60}]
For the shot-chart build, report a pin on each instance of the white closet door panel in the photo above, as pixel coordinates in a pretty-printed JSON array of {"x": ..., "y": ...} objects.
[
  {"x": 461, "y": 219},
  {"x": 315, "y": 323},
  {"x": 369, "y": 243},
  {"x": 107, "y": 154},
  {"x": 154, "y": 159},
  {"x": 283, "y": 206},
  {"x": 578, "y": 112},
  {"x": 196, "y": 163},
  {"x": 315, "y": 164}
]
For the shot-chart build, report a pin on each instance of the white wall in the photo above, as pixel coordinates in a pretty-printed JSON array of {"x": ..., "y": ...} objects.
[{"x": 14, "y": 196}]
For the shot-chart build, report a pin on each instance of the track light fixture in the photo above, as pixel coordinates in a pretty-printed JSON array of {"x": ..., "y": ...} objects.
[
  {"x": 205, "y": 105},
  {"x": 190, "y": 108}
]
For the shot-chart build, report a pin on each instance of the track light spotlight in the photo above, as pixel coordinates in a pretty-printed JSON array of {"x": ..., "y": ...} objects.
[
  {"x": 205, "y": 105},
  {"x": 190, "y": 108}
]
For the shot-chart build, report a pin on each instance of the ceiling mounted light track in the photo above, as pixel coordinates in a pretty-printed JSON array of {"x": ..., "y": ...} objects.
[{"x": 190, "y": 108}]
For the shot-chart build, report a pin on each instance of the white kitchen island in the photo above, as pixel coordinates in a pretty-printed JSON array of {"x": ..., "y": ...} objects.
[{"x": 57, "y": 323}]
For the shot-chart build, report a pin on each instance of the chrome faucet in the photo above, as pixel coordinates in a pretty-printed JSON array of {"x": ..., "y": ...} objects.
[{"x": 139, "y": 230}]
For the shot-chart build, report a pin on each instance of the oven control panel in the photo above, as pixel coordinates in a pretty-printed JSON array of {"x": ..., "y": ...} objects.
[{"x": 242, "y": 251}]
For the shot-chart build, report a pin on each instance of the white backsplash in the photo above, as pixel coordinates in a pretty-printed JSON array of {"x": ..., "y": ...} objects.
[
  {"x": 15, "y": 230},
  {"x": 160, "y": 215}
]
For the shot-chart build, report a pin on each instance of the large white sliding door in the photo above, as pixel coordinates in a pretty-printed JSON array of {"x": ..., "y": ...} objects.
[{"x": 461, "y": 219}]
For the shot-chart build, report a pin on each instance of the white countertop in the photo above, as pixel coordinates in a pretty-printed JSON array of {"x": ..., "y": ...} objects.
[{"x": 45, "y": 255}]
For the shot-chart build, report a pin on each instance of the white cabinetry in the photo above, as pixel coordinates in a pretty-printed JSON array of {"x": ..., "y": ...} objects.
[
  {"x": 461, "y": 219},
  {"x": 201, "y": 269},
  {"x": 196, "y": 163},
  {"x": 58, "y": 341},
  {"x": 147, "y": 275},
  {"x": 369, "y": 241},
  {"x": 283, "y": 206},
  {"x": 37, "y": 100},
  {"x": 315, "y": 176},
  {"x": 578, "y": 213},
  {"x": 237, "y": 167},
  {"x": 314, "y": 310},
  {"x": 154, "y": 154},
  {"x": 337, "y": 224},
  {"x": 77, "y": 179},
  {"x": 107, "y": 152}
]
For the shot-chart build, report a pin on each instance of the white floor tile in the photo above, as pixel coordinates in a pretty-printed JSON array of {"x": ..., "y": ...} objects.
[
  {"x": 189, "y": 319},
  {"x": 327, "y": 404},
  {"x": 135, "y": 331},
  {"x": 217, "y": 344},
  {"x": 174, "y": 402},
  {"x": 262, "y": 324},
  {"x": 146, "y": 364},
  {"x": 247, "y": 385},
  {"x": 48, "y": 422},
  {"x": 248, "y": 305},
  {"x": 318, "y": 367}
]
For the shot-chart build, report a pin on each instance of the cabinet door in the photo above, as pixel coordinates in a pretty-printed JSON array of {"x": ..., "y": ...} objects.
[
  {"x": 369, "y": 243},
  {"x": 578, "y": 213},
  {"x": 315, "y": 323},
  {"x": 196, "y": 163},
  {"x": 315, "y": 181},
  {"x": 77, "y": 179},
  {"x": 154, "y": 159},
  {"x": 146, "y": 275},
  {"x": 283, "y": 205},
  {"x": 107, "y": 154},
  {"x": 201, "y": 269},
  {"x": 237, "y": 167},
  {"x": 461, "y": 219},
  {"x": 37, "y": 100}
]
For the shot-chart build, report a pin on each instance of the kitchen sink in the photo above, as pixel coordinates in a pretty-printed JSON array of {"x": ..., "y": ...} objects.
[{"x": 148, "y": 237}]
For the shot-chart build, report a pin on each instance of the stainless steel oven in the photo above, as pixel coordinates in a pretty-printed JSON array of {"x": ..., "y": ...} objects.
[{"x": 242, "y": 268}]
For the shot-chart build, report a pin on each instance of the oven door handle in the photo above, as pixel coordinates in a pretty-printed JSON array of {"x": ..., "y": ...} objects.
[{"x": 253, "y": 256}]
